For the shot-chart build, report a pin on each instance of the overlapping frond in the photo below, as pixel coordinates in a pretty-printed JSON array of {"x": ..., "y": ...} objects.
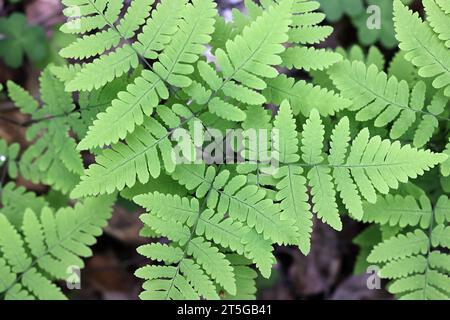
[
  {"x": 47, "y": 246},
  {"x": 53, "y": 158},
  {"x": 103, "y": 30},
  {"x": 196, "y": 263},
  {"x": 438, "y": 16},
  {"x": 141, "y": 155},
  {"x": 15, "y": 200},
  {"x": 416, "y": 261},
  {"x": 423, "y": 47},
  {"x": 172, "y": 68},
  {"x": 292, "y": 191},
  {"x": 245, "y": 62},
  {"x": 304, "y": 96},
  {"x": 355, "y": 168},
  {"x": 389, "y": 101},
  {"x": 242, "y": 201}
]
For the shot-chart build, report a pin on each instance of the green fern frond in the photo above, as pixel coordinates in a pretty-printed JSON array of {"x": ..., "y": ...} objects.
[
  {"x": 245, "y": 278},
  {"x": 389, "y": 101},
  {"x": 397, "y": 210},
  {"x": 101, "y": 17},
  {"x": 445, "y": 166},
  {"x": 309, "y": 58},
  {"x": 438, "y": 16},
  {"x": 304, "y": 96},
  {"x": 46, "y": 246},
  {"x": 355, "y": 169},
  {"x": 140, "y": 156},
  {"x": 173, "y": 68},
  {"x": 304, "y": 29},
  {"x": 243, "y": 202},
  {"x": 195, "y": 264},
  {"x": 53, "y": 158},
  {"x": 414, "y": 260},
  {"x": 246, "y": 61},
  {"x": 15, "y": 200},
  {"x": 423, "y": 48}
]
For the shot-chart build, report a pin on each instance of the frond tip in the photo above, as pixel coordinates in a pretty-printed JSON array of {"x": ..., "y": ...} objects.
[{"x": 422, "y": 46}]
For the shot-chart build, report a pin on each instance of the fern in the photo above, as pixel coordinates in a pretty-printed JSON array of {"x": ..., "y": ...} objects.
[
  {"x": 423, "y": 47},
  {"x": 389, "y": 101},
  {"x": 46, "y": 245},
  {"x": 242, "y": 70},
  {"x": 194, "y": 262},
  {"x": 53, "y": 158},
  {"x": 139, "y": 157},
  {"x": 148, "y": 84},
  {"x": 355, "y": 170},
  {"x": 232, "y": 216},
  {"x": 173, "y": 67},
  {"x": 438, "y": 15},
  {"x": 16, "y": 200},
  {"x": 415, "y": 259},
  {"x": 304, "y": 96}
]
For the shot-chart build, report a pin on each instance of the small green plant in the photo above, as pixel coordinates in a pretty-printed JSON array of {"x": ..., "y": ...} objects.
[{"x": 19, "y": 39}]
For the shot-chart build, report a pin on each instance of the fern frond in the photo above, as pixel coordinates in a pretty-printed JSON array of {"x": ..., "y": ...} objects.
[
  {"x": 15, "y": 200},
  {"x": 243, "y": 202},
  {"x": 106, "y": 36},
  {"x": 304, "y": 28},
  {"x": 139, "y": 157},
  {"x": 356, "y": 170},
  {"x": 245, "y": 279},
  {"x": 423, "y": 48},
  {"x": 304, "y": 97},
  {"x": 47, "y": 246},
  {"x": 173, "y": 67},
  {"x": 309, "y": 58},
  {"x": 398, "y": 210},
  {"x": 414, "y": 260},
  {"x": 53, "y": 158},
  {"x": 400, "y": 247},
  {"x": 246, "y": 61},
  {"x": 388, "y": 100},
  {"x": 438, "y": 16},
  {"x": 157, "y": 32},
  {"x": 103, "y": 70},
  {"x": 91, "y": 45},
  {"x": 194, "y": 261}
]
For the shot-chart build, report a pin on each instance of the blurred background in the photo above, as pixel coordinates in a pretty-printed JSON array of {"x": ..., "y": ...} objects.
[{"x": 30, "y": 40}]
